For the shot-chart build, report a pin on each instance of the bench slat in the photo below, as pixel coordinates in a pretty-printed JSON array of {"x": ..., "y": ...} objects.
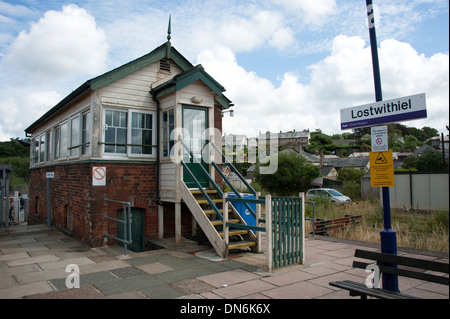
[
  {"x": 406, "y": 273},
  {"x": 405, "y": 261},
  {"x": 360, "y": 289}
]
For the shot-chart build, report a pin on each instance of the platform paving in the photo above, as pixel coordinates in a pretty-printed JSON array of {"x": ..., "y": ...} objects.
[{"x": 33, "y": 261}]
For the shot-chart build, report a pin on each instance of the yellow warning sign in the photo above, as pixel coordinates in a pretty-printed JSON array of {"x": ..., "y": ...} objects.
[
  {"x": 381, "y": 169},
  {"x": 381, "y": 159}
]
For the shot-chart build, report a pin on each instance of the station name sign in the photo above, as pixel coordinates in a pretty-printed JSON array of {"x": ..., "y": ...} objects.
[{"x": 396, "y": 110}]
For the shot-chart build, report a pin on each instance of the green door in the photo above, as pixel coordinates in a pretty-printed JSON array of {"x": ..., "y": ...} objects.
[
  {"x": 195, "y": 123},
  {"x": 137, "y": 229}
]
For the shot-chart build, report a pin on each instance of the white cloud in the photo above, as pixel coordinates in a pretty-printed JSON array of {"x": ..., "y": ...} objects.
[
  {"x": 60, "y": 44},
  {"x": 311, "y": 12},
  {"x": 239, "y": 32},
  {"x": 343, "y": 79},
  {"x": 20, "y": 110}
]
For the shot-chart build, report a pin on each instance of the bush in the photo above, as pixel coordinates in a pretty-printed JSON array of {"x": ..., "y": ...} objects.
[
  {"x": 348, "y": 174},
  {"x": 352, "y": 190},
  {"x": 293, "y": 175}
]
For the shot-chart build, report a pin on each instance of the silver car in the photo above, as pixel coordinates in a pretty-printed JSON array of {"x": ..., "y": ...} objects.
[{"x": 333, "y": 195}]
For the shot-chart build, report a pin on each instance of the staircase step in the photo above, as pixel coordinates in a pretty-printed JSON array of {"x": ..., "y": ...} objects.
[
  {"x": 219, "y": 222},
  {"x": 204, "y": 201},
  {"x": 212, "y": 212},
  {"x": 241, "y": 244},
  {"x": 233, "y": 232},
  {"x": 207, "y": 191}
]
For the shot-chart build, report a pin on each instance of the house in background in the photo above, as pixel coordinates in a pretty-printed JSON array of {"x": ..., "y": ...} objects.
[
  {"x": 112, "y": 139},
  {"x": 297, "y": 139}
]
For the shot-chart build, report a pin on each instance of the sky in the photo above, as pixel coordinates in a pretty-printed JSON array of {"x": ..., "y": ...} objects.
[{"x": 286, "y": 64}]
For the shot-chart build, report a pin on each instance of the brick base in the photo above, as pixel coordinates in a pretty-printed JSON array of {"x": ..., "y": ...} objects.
[{"x": 72, "y": 193}]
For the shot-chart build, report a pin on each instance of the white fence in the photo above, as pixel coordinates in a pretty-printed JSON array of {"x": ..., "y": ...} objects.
[{"x": 416, "y": 190}]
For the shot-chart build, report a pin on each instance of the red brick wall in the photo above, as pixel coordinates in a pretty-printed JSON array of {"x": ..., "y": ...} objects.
[
  {"x": 72, "y": 187},
  {"x": 169, "y": 220}
]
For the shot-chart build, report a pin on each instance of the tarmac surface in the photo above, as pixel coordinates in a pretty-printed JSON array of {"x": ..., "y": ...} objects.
[{"x": 34, "y": 260}]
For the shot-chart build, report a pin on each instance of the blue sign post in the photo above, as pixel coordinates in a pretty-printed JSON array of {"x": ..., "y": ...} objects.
[{"x": 387, "y": 235}]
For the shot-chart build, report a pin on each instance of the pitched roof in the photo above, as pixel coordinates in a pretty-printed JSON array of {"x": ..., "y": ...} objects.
[
  {"x": 164, "y": 51},
  {"x": 188, "y": 77}
]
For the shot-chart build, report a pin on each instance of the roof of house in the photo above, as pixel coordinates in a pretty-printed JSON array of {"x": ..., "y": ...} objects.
[
  {"x": 294, "y": 134},
  {"x": 187, "y": 77},
  {"x": 348, "y": 162},
  {"x": 422, "y": 149},
  {"x": 164, "y": 51}
]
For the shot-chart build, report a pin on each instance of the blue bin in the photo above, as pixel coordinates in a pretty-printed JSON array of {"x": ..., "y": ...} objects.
[{"x": 243, "y": 211}]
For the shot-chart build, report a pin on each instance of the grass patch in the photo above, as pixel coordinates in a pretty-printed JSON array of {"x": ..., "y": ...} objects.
[{"x": 428, "y": 230}]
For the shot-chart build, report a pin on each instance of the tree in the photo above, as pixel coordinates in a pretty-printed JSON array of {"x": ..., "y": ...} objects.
[
  {"x": 429, "y": 132},
  {"x": 411, "y": 142},
  {"x": 348, "y": 174},
  {"x": 409, "y": 162},
  {"x": 429, "y": 161},
  {"x": 294, "y": 175},
  {"x": 320, "y": 142}
]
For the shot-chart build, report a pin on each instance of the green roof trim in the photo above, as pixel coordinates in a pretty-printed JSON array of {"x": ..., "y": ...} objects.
[{"x": 188, "y": 77}]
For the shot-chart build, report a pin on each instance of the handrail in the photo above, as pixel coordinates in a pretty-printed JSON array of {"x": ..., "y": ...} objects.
[
  {"x": 230, "y": 165},
  {"x": 123, "y": 221},
  {"x": 197, "y": 183},
  {"x": 234, "y": 189},
  {"x": 203, "y": 170}
]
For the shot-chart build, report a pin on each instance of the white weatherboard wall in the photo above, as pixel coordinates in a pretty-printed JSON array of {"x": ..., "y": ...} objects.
[{"x": 420, "y": 191}]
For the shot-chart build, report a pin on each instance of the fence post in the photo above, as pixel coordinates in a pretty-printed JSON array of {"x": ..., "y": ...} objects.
[
  {"x": 258, "y": 217},
  {"x": 226, "y": 228},
  {"x": 269, "y": 244},
  {"x": 302, "y": 219}
]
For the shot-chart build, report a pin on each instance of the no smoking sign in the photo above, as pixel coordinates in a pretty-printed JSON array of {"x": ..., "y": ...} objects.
[
  {"x": 379, "y": 136},
  {"x": 99, "y": 176}
]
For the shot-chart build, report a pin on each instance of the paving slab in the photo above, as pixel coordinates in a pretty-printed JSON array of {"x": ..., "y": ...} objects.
[
  {"x": 288, "y": 278},
  {"x": 27, "y": 278},
  {"x": 85, "y": 280},
  {"x": 182, "y": 274},
  {"x": 31, "y": 260},
  {"x": 88, "y": 292},
  {"x": 134, "y": 294},
  {"x": 299, "y": 290},
  {"x": 154, "y": 268},
  {"x": 25, "y": 290},
  {"x": 228, "y": 278},
  {"x": 163, "y": 291},
  {"x": 128, "y": 284},
  {"x": 243, "y": 289},
  {"x": 192, "y": 286}
]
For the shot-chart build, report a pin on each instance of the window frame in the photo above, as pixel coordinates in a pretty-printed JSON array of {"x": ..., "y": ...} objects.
[
  {"x": 130, "y": 129},
  {"x": 129, "y": 145},
  {"x": 167, "y": 141},
  {"x": 40, "y": 148}
]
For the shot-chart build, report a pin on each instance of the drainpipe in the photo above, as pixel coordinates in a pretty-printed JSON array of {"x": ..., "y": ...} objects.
[{"x": 158, "y": 132}]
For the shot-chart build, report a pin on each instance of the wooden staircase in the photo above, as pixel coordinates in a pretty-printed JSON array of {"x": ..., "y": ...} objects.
[{"x": 211, "y": 223}]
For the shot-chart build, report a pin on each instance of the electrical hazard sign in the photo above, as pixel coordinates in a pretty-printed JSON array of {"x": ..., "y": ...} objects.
[{"x": 381, "y": 169}]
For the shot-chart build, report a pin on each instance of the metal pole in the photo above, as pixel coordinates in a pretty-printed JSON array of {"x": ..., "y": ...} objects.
[
  {"x": 2, "y": 185},
  {"x": 443, "y": 151},
  {"x": 7, "y": 199},
  {"x": 387, "y": 235},
  {"x": 49, "y": 206}
]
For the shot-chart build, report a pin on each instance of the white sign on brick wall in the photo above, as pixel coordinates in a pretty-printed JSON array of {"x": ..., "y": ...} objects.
[{"x": 99, "y": 176}]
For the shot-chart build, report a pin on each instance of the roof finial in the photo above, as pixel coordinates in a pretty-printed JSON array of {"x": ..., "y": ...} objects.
[{"x": 169, "y": 31}]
